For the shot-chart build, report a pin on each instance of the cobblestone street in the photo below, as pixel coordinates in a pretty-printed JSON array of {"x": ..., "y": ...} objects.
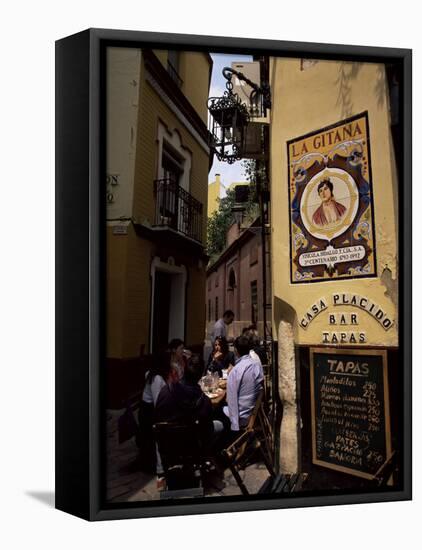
[{"x": 127, "y": 483}]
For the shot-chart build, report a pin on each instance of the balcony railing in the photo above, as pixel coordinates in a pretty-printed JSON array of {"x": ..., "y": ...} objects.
[{"x": 177, "y": 209}]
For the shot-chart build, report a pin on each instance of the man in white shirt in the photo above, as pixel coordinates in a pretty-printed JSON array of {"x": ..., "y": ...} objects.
[{"x": 220, "y": 327}]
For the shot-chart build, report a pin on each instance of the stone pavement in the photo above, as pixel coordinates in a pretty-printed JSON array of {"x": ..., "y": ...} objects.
[{"x": 127, "y": 483}]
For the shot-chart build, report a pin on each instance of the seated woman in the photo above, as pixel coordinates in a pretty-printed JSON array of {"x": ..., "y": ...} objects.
[
  {"x": 179, "y": 356},
  {"x": 220, "y": 358},
  {"x": 186, "y": 403},
  {"x": 160, "y": 374}
]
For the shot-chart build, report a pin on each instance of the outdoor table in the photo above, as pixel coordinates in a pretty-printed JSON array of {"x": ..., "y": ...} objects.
[
  {"x": 217, "y": 396},
  {"x": 221, "y": 394}
]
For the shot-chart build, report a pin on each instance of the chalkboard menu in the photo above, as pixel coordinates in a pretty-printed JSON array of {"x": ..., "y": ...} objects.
[{"x": 350, "y": 410}]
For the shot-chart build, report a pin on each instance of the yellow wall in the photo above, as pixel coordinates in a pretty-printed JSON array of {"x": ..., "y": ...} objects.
[
  {"x": 129, "y": 256},
  {"x": 129, "y": 293},
  {"x": 162, "y": 56},
  {"x": 305, "y": 101},
  {"x": 195, "y": 327},
  {"x": 117, "y": 247},
  {"x": 152, "y": 111},
  {"x": 213, "y": 195},
  {"x": 136, "y": 314},
  {"x": 195, "y": 72}
]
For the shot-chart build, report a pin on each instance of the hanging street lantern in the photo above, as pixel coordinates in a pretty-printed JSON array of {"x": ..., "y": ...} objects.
[
  {"x": 229, "y": 120},
  {"x": 230, "y": 117}
]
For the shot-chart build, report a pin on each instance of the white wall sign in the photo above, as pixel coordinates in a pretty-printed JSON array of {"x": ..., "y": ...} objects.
[{"x": 344, "y": 318}]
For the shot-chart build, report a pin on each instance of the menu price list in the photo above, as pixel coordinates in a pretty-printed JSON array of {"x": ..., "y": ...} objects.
[{"x": 350, "y": 413}]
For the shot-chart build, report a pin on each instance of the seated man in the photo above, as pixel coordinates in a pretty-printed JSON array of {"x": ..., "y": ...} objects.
[
  {"x": 244, "y": 383},
  {"x": 256, "y": 351},
  {"x": 186, "y": 403}
]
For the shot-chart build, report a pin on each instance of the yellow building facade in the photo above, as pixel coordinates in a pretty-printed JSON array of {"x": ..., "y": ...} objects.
[
  {"x": 214, "y": 194},
  {"x": 326, "y": 111},
  {"x": 157, "y": 172}
]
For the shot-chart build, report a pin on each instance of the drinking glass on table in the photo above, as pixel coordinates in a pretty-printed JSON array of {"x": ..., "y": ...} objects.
[
  {"x": 215, "y": 381},
  {"x": 208, "y": 383},
  {"x": 187, "y": 353}
]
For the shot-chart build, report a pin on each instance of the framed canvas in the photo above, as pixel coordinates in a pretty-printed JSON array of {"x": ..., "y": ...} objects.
[{"x": 233, "y": 277}]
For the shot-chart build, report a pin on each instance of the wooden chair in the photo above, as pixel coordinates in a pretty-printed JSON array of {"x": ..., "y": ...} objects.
[
  {"x": 250, "y": 441},
  {"x": 267, "y": 382},
  {"x": 264, "y": 430},
  {"x": 182, "y": 457},
  {"x": 284, "y": 483},
  {"x": 289, "y": 483}
]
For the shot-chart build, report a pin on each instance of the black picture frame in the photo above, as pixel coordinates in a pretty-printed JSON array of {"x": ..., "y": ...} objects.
[{"x": 80, "y": 257}]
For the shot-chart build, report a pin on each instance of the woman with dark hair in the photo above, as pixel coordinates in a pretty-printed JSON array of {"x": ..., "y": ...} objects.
[
  {"x": 178, "y": 356},
  {"x": 220, "y": 358},
  {"x": 159, "y": 375}
]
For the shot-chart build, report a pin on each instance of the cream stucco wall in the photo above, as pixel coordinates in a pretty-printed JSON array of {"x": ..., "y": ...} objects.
[
  {"x": 305, "y": 101},
  {"x": 123, "y": 80}
]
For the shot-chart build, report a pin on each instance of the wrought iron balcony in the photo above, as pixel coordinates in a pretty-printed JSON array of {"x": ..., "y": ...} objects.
[{"x": 176, "y": 209}]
